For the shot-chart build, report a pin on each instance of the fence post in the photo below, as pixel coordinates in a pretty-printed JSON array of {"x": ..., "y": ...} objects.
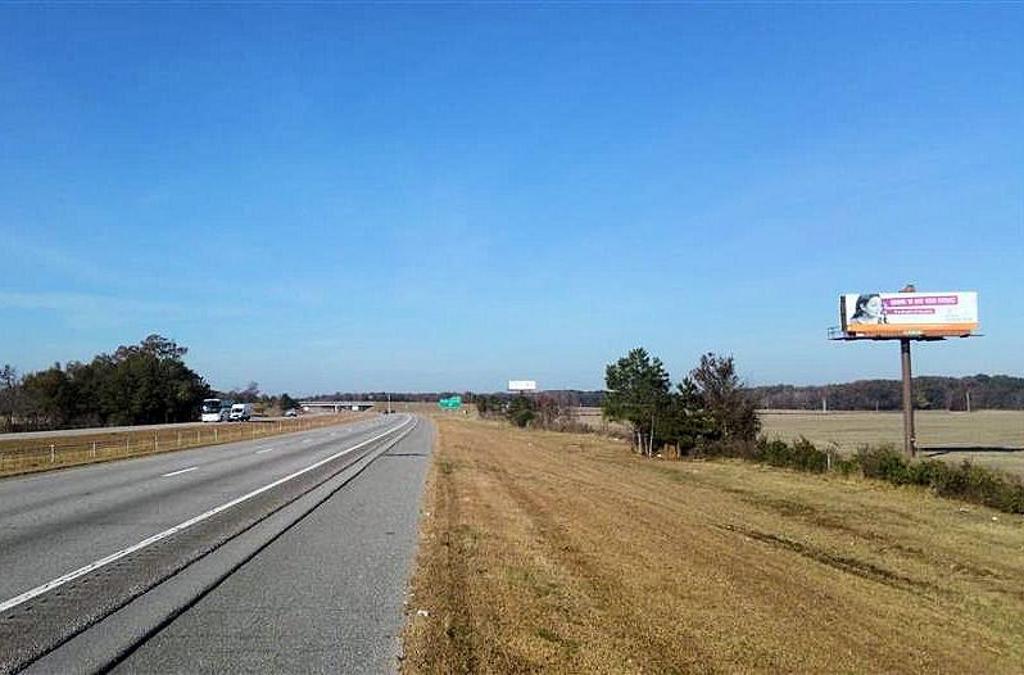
[
  {"x": 198, "y": 438},
  {"x": 156, "y": 443},
  {"x": 94, "y": 449},
  {"x": 214, "y": 434},
  {"x": 127, "y": 446},
  {"x": 53, "y": 454}
]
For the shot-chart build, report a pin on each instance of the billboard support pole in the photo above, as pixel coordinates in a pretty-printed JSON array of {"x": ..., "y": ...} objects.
[{"x": 909, "y": 441}]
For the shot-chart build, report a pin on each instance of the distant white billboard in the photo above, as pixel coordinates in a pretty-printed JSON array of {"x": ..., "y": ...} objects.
[
  {"x": 522, "y": 385},
  {"x": 909, "y": 314}
]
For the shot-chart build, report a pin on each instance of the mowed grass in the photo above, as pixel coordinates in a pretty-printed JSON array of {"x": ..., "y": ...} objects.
[
  {"x": 567, "y": 553},
  {"x": 992, "y": 438}
]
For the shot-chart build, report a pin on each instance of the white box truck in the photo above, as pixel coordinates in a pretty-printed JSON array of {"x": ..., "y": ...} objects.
[{"x": 241, "y": 412}]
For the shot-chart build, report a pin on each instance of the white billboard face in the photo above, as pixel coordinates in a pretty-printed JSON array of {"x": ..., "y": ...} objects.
[
  {"x": 909, "y": 314},
  {"x": 522, "y": 385}
]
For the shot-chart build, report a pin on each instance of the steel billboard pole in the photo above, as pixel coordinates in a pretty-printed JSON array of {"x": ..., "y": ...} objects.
[{"x": 909, "y": 440}]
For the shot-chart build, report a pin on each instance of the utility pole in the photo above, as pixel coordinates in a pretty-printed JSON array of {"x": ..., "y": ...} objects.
[
  {"x": 909, "y": 440},
  {"x": 968, "y": 400}
]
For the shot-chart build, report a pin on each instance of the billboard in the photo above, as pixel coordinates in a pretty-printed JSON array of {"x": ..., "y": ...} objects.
[
  {"x": 522, "y": 385},
  {"x": 948, "y": 314}
]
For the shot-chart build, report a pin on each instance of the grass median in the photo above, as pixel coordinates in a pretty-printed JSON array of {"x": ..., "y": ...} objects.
[
  {"x": 19, "y": 456},
  {"x": 566, "y": 553}
]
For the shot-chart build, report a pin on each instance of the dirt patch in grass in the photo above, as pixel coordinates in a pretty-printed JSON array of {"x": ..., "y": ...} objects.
[{"x": 563, "y": 553}]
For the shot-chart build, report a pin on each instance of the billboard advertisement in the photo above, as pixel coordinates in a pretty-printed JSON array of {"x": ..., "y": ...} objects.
[
  {"x": 947, "y": 314},
  {"x": 522, "y": 385}
]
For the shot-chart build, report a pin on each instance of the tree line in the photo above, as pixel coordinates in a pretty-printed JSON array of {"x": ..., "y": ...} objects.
[
  {"x": 707, "y": 406},
  {"x": 145, "y": 383},
  {"x": 994, "y": 392},
  {"x": 997, "y": 392},
  {"x": 546, "y": 410}
]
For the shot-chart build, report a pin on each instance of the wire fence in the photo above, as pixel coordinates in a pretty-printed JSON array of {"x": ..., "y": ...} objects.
[{"x": 60, "y": 451}]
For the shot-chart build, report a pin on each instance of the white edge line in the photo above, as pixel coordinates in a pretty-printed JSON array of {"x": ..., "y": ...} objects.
[
  {"x": 71, "y": 576},
  {"x": 179, "y": 472},
  {"x": 260, "y": 452}
]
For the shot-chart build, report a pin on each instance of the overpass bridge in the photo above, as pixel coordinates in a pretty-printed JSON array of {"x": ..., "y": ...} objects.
[{"x": 336, "y": 406}]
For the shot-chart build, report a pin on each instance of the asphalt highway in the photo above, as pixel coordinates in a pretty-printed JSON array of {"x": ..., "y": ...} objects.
[
  {"x": 136, "y": 428},
  {"x": 103, "y": 564}
]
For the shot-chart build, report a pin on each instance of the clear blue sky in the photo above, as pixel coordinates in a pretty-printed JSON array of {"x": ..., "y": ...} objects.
[{"x": 421, "y": 197}]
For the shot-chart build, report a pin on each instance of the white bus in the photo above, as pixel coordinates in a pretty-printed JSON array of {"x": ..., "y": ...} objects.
[{"x": 215, "y": 410}]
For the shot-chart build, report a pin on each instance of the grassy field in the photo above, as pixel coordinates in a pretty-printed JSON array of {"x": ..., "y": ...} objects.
[
  {"x": 993, "y": 438},
  {"x": 566, "y": 553},
  {"x": 20, "y": 455}
]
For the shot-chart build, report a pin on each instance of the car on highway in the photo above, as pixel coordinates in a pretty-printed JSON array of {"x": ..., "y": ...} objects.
[
  {"x": 241, "y": 412},
  {"x": 291, "y": 413}
]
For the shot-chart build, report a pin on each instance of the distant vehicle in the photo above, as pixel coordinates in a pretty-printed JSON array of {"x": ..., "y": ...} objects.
[
  {"x": 291, "y": 413},
  {"x": 215, "y": 410},
  {"x": 241, "y": 412}
]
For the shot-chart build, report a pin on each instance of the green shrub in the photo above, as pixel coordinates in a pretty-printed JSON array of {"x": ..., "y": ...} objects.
[
  {"x": 801, "y": 455},
  {"x": 845, "y": 465},
  {"x": 884, "y": 463},
  {"x": 720, "y": 448},
  {"x": 521, "y": 418},
  {"x": 983, "y": 486},
  {"x": 967, "y": 482}
]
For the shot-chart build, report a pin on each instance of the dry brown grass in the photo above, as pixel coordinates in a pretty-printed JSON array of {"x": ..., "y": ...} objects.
[
  {"x": 565, "y": 553},
  {"x": 19, "y": 456}
]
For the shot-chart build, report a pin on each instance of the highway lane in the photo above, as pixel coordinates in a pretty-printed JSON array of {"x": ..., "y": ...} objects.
[
  {"x": 55, "y": 522},
  {"x": 327, "y": 596},
  {"x": 52, "y": 524},
  {"x": 138, "y": 428}
]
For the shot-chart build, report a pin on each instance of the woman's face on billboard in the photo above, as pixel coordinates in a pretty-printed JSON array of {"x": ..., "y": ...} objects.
[{"x": 874, "y": 306}]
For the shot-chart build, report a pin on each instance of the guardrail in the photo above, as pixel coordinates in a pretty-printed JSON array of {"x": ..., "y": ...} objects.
[{"x": 28, "y": 456}]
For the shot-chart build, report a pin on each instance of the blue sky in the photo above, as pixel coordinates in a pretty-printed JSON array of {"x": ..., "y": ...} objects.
[{"x": 424, "y": 197}]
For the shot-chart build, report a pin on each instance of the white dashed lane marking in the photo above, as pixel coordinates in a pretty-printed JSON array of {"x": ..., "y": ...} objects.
[{"x": 180, "y": 471}]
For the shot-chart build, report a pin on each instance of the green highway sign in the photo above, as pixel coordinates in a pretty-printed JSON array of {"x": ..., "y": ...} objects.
[{"x": 450, "y": 403}]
